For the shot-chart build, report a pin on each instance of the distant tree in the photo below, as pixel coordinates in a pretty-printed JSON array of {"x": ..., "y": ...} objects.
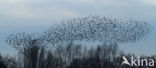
[
  {"x": 41, "y": 58},
  {"x": 2, "y": 64}
]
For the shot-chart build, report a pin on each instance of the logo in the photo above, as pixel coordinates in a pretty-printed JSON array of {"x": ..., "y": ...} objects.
[{"x": 137, "y": 61}]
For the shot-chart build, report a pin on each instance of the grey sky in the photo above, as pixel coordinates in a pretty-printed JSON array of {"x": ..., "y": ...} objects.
[{"x": 37, "y": 15}]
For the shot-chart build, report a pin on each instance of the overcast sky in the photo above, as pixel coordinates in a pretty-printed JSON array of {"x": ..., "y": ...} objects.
[{"x": 37, "y": 15}]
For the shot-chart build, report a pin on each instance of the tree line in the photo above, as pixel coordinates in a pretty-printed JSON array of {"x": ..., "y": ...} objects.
[{"x": 70, "y": 56}]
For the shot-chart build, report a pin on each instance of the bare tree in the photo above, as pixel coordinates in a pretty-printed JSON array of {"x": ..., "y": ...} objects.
[{"x": 2, "y": 64}]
